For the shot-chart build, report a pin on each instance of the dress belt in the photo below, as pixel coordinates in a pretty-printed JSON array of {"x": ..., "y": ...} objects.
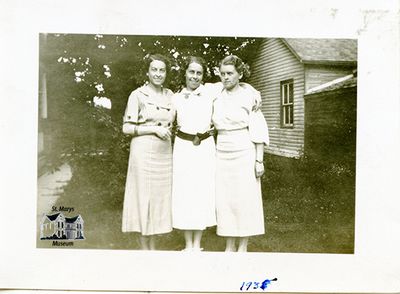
[
  {"x": 225, "y": 132},
  {"x": 195, "y": 139}
]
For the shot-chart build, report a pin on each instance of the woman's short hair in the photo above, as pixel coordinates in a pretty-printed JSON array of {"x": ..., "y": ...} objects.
[
  {"x": 149, "y": 58},
  {"x": 195, "y": 59},
  {"x": 240, "y": 66}
]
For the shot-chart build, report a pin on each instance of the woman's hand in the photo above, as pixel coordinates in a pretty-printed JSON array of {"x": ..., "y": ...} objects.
[
  {"x": 162, "y": 132},
  {"x": 259, "y": 168}
]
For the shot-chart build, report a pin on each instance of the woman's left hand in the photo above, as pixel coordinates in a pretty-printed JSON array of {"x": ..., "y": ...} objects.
[{"x": 259, "y": 168}]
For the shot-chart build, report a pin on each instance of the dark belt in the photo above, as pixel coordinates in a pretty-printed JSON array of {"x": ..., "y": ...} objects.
[{"x": 195, "y": 139}]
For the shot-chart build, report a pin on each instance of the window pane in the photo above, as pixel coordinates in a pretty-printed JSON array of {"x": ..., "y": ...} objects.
[
  {"x": 283, "y": 115},
  {"x": 291, "y": 94},
  {"x": 291, "y": 114},
  {"x": 285, "y": 94},
  {"x": 286, "y": 115}
]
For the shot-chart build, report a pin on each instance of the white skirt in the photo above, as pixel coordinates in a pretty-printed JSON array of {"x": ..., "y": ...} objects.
[
  {"x": 147, "y": 200},
  {"x": 238, "y": 191},
  {"x": 193, "y": 185}
]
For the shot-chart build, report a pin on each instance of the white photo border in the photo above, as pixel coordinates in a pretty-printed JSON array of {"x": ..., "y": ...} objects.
[{"x": 375, "y": 265}]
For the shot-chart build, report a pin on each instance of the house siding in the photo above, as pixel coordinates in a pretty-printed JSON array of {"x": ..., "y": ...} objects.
[
  {"x": 275, "y": 63},
  {"x": 316, "y": 75}
]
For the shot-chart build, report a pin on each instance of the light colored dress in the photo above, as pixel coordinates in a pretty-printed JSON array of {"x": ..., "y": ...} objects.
[
  {"x": 193, "y": 188},
  {"x": 238, "y": 192},
  {"x": 147, "y": 200}
]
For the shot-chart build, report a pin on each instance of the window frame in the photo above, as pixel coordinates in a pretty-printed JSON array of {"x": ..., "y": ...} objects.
[{"x": 289, "y": 105}]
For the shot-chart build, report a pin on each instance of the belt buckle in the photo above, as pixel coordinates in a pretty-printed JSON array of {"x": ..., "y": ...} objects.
[{"x": 196, "y": 141}]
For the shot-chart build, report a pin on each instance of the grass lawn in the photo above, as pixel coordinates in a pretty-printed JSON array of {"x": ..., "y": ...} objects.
[{"x": 308, "y": 207}]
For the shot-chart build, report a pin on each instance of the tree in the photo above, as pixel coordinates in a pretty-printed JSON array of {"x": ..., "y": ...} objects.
[{"x": 84, "y": 69}]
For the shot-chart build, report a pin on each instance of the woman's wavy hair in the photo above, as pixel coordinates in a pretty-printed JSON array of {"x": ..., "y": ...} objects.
[
  {"x": 240, "y": 66},
  {"x": 195, "y": 59},
  {"x": 149, "y": 58}
]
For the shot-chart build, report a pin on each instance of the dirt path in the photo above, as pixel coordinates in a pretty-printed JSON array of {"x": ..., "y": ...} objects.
[{"x": 50, "y": 186}]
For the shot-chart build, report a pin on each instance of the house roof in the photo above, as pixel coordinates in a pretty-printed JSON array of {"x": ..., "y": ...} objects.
[
  {"x": 323, "y": 51},
  {"x": 348, "y": 81},
  {"x": 53, "y": 216},
  {"x": 71, "y": 220}
]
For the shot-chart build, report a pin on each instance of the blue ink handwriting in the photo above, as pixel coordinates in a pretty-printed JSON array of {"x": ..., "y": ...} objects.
[{"x": 246, "y": 286}]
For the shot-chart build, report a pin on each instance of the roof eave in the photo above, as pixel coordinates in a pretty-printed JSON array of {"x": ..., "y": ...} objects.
[
  {"x": 291, "y": 49},
  {"x": 329, "y": 92},
  {"x": 329, "y": 62}
]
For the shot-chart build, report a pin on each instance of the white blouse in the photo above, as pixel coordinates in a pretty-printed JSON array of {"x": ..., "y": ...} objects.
[
  {"x": 194, "y": 108},
  {"x": 234, "y": 111},
  {"x": 146, "y": 108}
]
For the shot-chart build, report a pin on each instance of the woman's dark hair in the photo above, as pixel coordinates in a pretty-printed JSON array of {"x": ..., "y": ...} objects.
[
  {"x": 149, "y": 58},
  {"x": 196, "y": 59},
  {"x": 240, "y": 66}
]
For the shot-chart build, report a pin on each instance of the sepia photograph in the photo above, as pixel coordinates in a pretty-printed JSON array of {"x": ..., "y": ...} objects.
[
  {"x": 273, "y": 167},
  {"x": 214, "y": 147}
]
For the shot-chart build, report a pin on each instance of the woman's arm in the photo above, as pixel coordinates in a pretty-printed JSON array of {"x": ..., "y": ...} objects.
[
  {"x": 135, "y": 130},
  {"x": 259, "y": 164},
  {"x": 130, "y": 126}
]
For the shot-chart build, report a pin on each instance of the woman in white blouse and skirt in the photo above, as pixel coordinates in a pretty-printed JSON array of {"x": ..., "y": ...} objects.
[
  {"x": 193, "y": 188},
  {"x": 148, "y": 119},
  {"x": 242, "y": 133}
]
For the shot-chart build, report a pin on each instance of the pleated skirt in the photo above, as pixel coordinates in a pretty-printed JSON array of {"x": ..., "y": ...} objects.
[
  {"x": 193, "y": 188},
  {"x": 147, "y": 199},
  {"x": 238, "y": 192}
]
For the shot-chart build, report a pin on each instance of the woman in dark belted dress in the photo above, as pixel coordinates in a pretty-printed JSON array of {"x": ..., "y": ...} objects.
[
  {"x": 193, "y": 188},
  {"x": 148, "y": 119}
]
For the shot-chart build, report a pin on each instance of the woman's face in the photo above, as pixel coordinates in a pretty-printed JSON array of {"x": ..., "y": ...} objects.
[
  {"x": 229, "y": 76},
  {"x": 157, "y": 72},
  {"x": 194, "y": 76}
]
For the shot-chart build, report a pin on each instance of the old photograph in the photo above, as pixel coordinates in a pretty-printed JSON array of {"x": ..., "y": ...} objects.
[
  {"x": 213, "y": 147},
  {"x": 273, "y": 168}
]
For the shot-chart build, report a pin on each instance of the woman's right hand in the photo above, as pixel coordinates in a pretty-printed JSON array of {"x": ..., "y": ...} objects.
[{"x": 162, "y": 132}]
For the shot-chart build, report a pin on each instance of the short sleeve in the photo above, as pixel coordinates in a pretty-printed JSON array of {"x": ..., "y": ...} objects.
[
  {"x": 132, "y": 109},
  {"x": 254, "y": 93},
  {"x": 258, "y": 128},
  {"x": 214, "y": 89},
  {"x": 175, "y": 100}
]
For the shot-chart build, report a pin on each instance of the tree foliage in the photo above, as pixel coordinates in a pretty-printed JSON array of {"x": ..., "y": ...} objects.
[{"x": 81, "y": 67}]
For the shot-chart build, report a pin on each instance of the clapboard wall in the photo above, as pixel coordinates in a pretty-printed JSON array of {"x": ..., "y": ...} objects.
[
  {"x": 274, "y": 63},
  {"x": 316, "y": 75}
]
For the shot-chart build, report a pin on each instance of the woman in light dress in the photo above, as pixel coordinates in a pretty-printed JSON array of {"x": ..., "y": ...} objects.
[
  {"x": 242, "y": 133},
  {"x": 193, "y": 188},
  {"x": 148, "y": 119}
]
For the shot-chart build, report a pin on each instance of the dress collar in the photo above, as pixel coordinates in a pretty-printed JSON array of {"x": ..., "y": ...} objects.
[
  {"x": 145, "y": 89},
  {"x": 186, "y": 93},
  {"x": 238, "y": 92}
]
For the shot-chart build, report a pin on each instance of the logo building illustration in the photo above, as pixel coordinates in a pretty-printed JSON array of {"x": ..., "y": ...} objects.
[{"x": 57, "y": 226}]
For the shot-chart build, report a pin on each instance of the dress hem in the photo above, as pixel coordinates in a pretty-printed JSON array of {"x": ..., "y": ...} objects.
[
  {"x": 240, "y": 235},
  {"x": 192, "y": 228},
  {"x": 148, "y": 234}
]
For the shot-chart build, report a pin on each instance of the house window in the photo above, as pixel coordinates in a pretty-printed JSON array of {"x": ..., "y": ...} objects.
[{"x": 287, "y": 103}]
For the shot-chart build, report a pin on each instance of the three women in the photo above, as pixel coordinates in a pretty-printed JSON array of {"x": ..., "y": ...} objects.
[{"x": 236, "y": 196}]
